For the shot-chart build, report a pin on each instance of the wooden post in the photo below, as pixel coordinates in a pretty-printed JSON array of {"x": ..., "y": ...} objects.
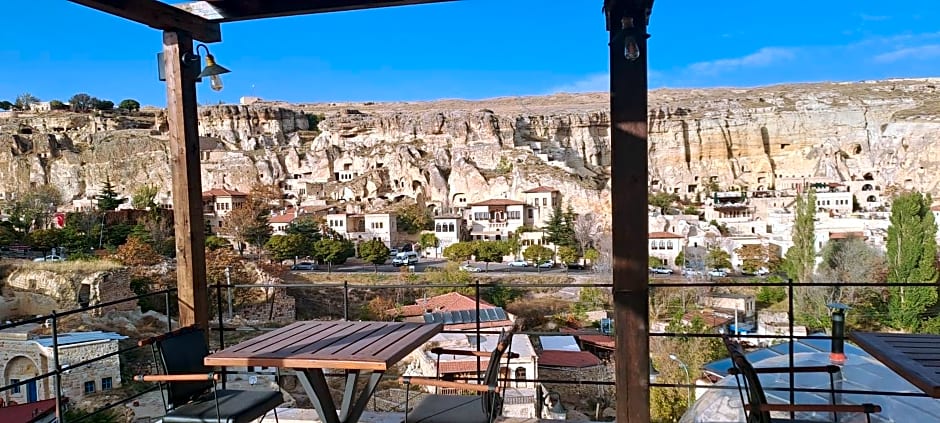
[
  {"x": 187, "y": 180},
  {"x": 628, "y": 150}
]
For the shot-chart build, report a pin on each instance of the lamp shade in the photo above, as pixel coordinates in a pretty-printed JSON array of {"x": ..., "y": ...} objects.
[{"x": 212, "y": 68}]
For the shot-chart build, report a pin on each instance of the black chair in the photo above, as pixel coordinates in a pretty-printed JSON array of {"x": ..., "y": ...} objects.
[
  {"x": 757, "y": 409},
  {"x": 191, "y": 392},
  {"x": 483, "y": 407}
]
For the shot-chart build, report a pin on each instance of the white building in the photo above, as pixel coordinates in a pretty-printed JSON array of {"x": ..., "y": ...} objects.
[
  {"x": 218, "y": 202},
  {"x": 365, "y": 227},
  {"x": 449, "y": 229},
  {"x": 540, "y": 204},
  {"x": 665, "y": 246},
  {"x": 495, "y": 219}
]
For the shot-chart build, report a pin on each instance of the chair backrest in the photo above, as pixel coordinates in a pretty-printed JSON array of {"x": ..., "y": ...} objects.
[
  {"x": 492, "y": 403},
  {"x": 751, "y": 386},
  {"x": 183, "y": 353}
]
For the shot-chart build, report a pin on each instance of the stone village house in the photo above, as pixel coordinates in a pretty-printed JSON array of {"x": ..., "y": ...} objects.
[{"x": 24, "y": 356}]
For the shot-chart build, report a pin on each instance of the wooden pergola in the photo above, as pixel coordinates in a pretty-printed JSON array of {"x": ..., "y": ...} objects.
[{"x": 626, "y": 21}]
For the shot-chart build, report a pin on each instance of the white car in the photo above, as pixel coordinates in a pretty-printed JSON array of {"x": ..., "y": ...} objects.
[
  {"x": 517, "y": 263},
  {"x": 718, "y": 273},
  {"x": 547, "y": 265},
  {"x": 661, "y": 270},
  {"x": 469, "y": 268},
  {"x": 51, "y": 257}
]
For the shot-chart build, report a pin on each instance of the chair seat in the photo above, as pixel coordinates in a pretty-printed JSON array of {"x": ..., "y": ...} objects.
[
  {"x": 449, "y": 409},
  {"x": 234, "y": 407}
]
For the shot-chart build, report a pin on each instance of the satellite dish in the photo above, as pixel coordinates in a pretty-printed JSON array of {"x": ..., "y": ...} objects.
[{"x": 252, "y": 380}]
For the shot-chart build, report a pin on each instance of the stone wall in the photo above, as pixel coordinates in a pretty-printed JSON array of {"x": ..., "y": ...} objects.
[
  {"x": 575, "y": 396},
  {"x": 23, "y": 359},
  {"x": 284, "y": 309},
  {"x": 71, "y": 290}
]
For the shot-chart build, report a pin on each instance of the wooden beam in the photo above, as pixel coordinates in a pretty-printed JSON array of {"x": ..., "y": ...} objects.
[
  {"x": 628, "y": 150},
  {"x": 241, "y": 10},
  {"x": 159, "y": 15},
  {"x": 192, "y": 292}
]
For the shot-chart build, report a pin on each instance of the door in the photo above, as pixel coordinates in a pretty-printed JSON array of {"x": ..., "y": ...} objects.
[{"x": 32, "y": 392}]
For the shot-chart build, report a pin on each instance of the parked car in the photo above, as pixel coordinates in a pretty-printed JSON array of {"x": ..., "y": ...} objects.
[
  {"x": 392, "y": 253},
  {"x": 518, "y": 263},
  {"x": 547, "y": 265},
  {"x": 718, "y": 273},
  {"x": 470, "y": 268},
  {"x": 661, "y": 270},
  {"x": 51, "y": 257},
  {"x": 574, "y": 266},
  {"x": 304, "y": 265},
  {"x": 687, "y": 272},
  {"x": 405, "y": 258}
]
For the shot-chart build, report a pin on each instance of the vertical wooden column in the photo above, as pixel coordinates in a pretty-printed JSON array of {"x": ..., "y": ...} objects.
[
  {"x": 187, "y": 180},
  {"x": 628, "y": 145}
]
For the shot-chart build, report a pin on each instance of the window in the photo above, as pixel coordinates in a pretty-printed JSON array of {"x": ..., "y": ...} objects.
[
  {"x": 106, "y": 384},
  {"x": 450, "y": 227},
  {"x": 16, "y": 389},
  {"x": 437, "y": 228},
  {"x": 515, "y": 215},
  {"x": 90, "y": 387},
  {"x": 544, "y": 201},
  {"x": 531, "y": 214}
]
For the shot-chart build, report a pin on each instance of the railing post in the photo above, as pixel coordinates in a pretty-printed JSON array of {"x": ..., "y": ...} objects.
[
  {"x": 60, "y": 418},
  {"x": 169, "y": 320},
  {"x": 792, "y": 340},
  {"x": 476, "y": 287},
  {"x": 218, "y": 303},
  {"x": 346, "y": 300}
]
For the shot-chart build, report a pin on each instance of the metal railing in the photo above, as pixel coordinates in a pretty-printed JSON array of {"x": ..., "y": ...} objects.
[{"x": 224, "y": 291}]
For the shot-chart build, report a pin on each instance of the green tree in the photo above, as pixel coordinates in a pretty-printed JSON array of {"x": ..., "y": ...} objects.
[
  {"x": 144, "y": 197},
  {"x": 46, "y": 239},
  {"x": 99, "y": 104},
  {"x": 718, "y": 258},
  {"x": 109, "y": 199},
  {"x": 500, "y": 295},
  {"x": 460, "y": 251},
  {"x": 756, "y": 256},
  {"x": 217, "y": 243},
  {"x": 284, "y": 247},
  {"x": 662, "y": 200},
  {"x": 58, "y": 105},
  {"x": 130, "y": 105},
  {"x": 490, "y": 252},
  {"x": 374, "y": 251},
  {"x": 81, "y": 102},
  {"x": 23, "y": 101},
  {"x": 559, "y": 230},
  {"x": 513, "y": 246},
  {"x": 5, "y": 105},
  {"x": 911, "y": 257},
  {"x": 34, "y": 209},
  {"x": 653, "y": 261},
  {"x": 592, "y": 255},
  {"x": 428, "y": 240},
  {"x": 333, "y": 251},
  {"x": 538, "y": 254},
  {"x": 413, "y": 219},
  {"x": 567, "y": 254},
  {"x": 801, "y": 257}
]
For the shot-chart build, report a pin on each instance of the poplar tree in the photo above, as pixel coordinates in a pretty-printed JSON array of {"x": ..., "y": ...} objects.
[
  {"x": 801, "y": 257},
  {"x": 912, "y": 255}
]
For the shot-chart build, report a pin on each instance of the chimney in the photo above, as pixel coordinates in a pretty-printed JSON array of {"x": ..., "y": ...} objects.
[{"x": 837, "y": 353}]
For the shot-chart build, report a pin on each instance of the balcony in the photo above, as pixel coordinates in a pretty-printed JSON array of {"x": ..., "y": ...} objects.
[{"x": 579, "y": 390}]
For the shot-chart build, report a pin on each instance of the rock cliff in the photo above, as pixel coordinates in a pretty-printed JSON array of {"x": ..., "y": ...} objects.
[{"x": 377, "y": 153}]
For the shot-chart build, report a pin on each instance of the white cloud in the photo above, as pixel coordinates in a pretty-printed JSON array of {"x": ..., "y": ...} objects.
[
  {"x": 600, "y": 82},
  {"x": 928, "y": 51},
  {"x": 590, "y": 83},
  {"x": 762, "y": 57}
]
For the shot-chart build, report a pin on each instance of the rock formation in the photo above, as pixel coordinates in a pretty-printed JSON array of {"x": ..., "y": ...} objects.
[{"x": 433, "y": 152}]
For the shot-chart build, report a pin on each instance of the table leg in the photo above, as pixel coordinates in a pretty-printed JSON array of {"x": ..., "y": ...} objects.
[
  {"x": 314, "y": 384},
  {"x": 352, "y": 415}
]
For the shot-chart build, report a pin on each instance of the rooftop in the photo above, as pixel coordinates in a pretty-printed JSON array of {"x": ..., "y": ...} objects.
[
  {"x": 542, "y": 188},
  {"x": 498, "y": 202},
  {"x": 664, "y": 235},
  {"x": 452, "y": 301},
  {"x": 80, "y": 338},
  {"x": 576, "y": 359},
  {"x": 220, "y": 192}
]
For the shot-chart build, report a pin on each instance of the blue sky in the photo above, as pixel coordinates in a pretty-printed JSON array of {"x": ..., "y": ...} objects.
[{"x": 473, "y": 49}]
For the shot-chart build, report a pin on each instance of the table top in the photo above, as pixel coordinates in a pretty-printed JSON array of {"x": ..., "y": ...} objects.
[
  {"x": 329, "y": 345},
  {"x": 916, "y": 357}
]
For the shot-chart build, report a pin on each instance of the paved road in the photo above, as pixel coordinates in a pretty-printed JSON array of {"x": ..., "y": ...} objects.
[{"x": 424, "y": 264}]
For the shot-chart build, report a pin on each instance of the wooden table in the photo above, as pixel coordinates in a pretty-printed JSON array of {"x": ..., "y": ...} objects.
[
  {"x": 913, "y": 356},
  {"x": 309, "y": 347}
]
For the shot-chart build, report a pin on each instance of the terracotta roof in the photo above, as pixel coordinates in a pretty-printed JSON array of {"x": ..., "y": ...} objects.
[
  {"x": 219, "y": 192},
  {"x": 498, "y": 202},
  {"x": 710, "y": 319},
  {"x": 935, "y": 208},
  {"x": 542, "y": 188},
  {"x": 448, "y": 216},
  {"x": 27, "y": 413},
  {"x": 463, "y": 366},
  {"x": 663, "y": 235},
  {"x": 847, "y": 235},
  {"x": 599, "y": 340},
  {"x": 452, "y": 301},
  {"x": 577, "y": 359},
  {"x": 287, "y": 217}
]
